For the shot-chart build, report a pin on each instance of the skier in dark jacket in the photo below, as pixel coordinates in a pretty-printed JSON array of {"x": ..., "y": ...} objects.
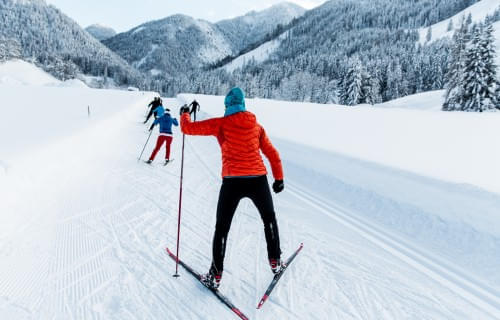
[
  {"x": 241, "y": 139},
  {"x": 165, "y": 122},
  {"x": 156, "y": 109},
  {"x": 195, "y": 107}
]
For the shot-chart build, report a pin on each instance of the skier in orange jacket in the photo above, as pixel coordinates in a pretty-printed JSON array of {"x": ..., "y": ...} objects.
[{"x": 241, "y": 139}]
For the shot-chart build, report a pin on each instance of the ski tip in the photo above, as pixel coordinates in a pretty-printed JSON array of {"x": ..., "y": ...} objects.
[
  {"x": 239, "y": 313},
  {"x": 170, "y": 253}
]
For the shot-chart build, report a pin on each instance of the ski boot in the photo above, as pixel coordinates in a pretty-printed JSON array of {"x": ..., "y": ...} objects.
[
  {"x": 149, "y": 161},
  {"x": 276, "y": 265},
  {"x": 212, "y": 280}
]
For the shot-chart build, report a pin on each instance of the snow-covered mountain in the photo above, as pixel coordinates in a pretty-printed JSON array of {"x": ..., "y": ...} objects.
[
  {"x": 176, "y": 43},
  {"x": 58, "y": 43},
  {"x": 180, "y": 43},
  {"x": 100, "y": 32},
  {"x": 250, "y": 28},
  {"x": 312, "y": 58}
]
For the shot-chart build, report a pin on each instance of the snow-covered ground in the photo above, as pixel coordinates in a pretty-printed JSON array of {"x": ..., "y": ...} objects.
[
  {"x": 478, "y": 12},
  {"x": 84, "y": 226}
]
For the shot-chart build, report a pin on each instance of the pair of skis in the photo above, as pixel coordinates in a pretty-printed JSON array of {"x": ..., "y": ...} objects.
[
  {"x": 223, "y": 298},
  {"x": 164, "y": 164}
]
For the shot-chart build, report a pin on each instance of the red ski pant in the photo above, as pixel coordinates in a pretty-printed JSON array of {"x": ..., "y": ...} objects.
[{"x": 159, "y": 143}]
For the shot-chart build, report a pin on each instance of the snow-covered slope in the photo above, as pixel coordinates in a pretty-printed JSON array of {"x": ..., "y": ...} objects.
[
  {"x": 257, "y": 55},
  {"x": 19, "y": 72},
  {"x": 432, "y": 100},
  {"x": 478, "y": 12},
  {"x": 22, "y": 72},
  {"x": 84, "y": 226},
  {"x": 254, "y": 26},
  {"x": 100, "y": 32}
]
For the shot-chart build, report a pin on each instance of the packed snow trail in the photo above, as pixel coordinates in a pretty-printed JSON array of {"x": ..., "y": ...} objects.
[{"x": 85, "y": 226}]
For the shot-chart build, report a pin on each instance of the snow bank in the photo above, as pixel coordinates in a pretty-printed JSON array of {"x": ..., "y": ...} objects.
[
  {"x": 55, "y": 112},
  {"x": 24, "y": 73},
  {"x": 432, "y": 100}
]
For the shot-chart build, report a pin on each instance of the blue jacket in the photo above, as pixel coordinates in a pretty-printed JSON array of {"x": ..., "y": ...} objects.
[
  {"x": 166, "y": 123},
  {"x": 159, "y": 111}
]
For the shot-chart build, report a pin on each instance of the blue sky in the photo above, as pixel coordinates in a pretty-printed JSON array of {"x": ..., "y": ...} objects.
[{"x": 123, "y": 15}]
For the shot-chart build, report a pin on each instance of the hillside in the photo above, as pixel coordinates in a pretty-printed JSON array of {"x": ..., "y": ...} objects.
[
  {"x": 174, "y": 44},
  {"x": 180, "y": 43},
  {"x": 58, "y": 43},
  {"x": 250, "y": 28}
]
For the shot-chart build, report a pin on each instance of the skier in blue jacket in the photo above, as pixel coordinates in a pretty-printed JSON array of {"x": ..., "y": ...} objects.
[{"x": 165, "y": 122}]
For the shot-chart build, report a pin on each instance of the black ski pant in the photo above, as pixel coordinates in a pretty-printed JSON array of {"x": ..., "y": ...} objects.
[{"x": 231, "y": 192}]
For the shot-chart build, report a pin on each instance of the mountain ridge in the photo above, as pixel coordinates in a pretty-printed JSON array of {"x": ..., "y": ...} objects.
[{"x": 181, "y": 43}]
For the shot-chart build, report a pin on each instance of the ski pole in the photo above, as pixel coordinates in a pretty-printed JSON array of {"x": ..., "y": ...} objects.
[
  {"x": 150, "y": 132},
  {"x": 180, "y": 209}
]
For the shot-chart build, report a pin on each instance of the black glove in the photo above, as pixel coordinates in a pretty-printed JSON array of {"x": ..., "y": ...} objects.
[
  {"x": 184, "y": 109},
  {"x": 278, "y": 186},
  {"x": 152, "y": 126}
]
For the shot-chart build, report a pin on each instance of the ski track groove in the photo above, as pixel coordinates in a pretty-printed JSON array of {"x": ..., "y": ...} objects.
[{"x": 423, "y": 264}]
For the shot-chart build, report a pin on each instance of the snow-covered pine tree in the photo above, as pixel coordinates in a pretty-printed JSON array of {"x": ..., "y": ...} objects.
[
  {"x": 489, "y": 56},
  {"x": 353, "y": 83},
  {"x": 370, "y": 89},
  {"x": 480, "y": 76},
  {"x": 497, "y": 95},
  {"x": 456, "y": 68},
  {"x": 9, "y": 49}
]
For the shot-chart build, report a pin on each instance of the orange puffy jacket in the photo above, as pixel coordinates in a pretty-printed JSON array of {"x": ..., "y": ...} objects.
[{"x": 241, "y": 138}]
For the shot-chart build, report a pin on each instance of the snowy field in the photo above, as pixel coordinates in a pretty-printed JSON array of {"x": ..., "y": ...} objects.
[{"x": 397, "y": 208}]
